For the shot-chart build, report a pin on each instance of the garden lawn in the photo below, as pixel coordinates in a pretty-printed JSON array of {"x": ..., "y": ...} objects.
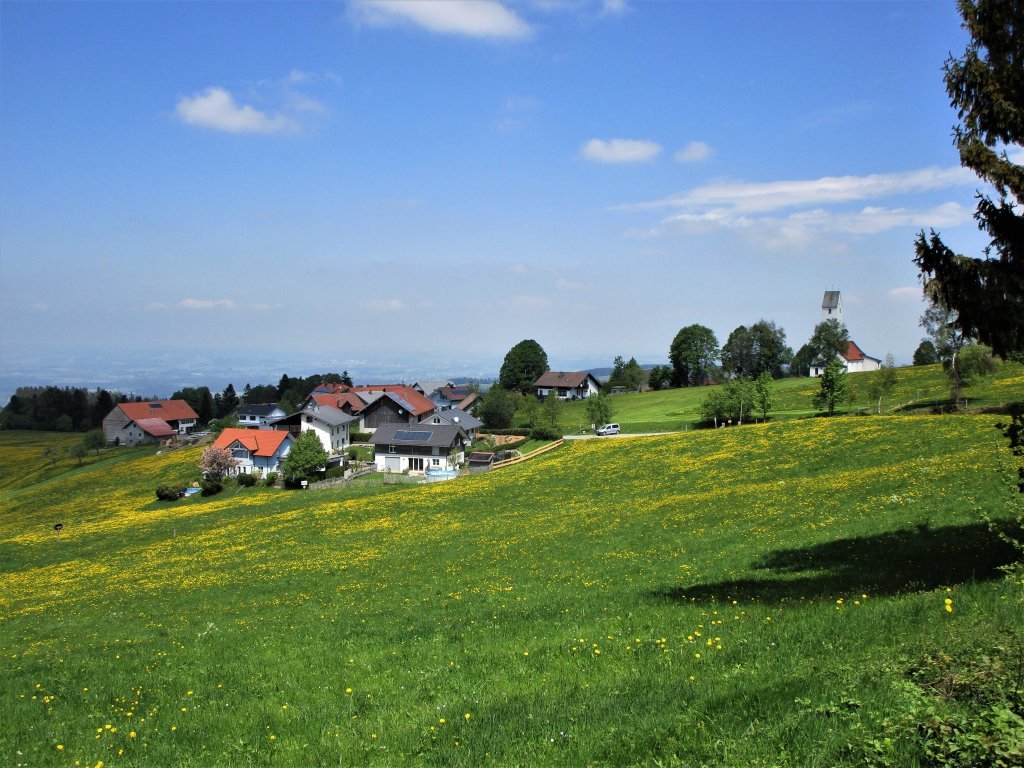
[{"x": 741, "y": 597}]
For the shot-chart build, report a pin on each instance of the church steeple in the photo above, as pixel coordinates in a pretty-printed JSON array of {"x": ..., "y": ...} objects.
[{"x": 832, "y": 307}]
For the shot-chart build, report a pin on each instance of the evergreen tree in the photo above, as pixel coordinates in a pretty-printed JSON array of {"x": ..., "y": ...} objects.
[{"x": 986, "y": 87}]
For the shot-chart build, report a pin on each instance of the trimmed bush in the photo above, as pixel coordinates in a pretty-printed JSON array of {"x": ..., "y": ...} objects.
[
  {"x": 271, "y": 479},
  {"x": 246, "y": 480},
  {"x": 334, "y": 472},
  {"x": 211, "y": 487},
  {"x": 169, "y": 492},
  {"x": 544, "y": 433},
  {"x": 523, "y": 431},
  {"x": 360, "y": 437}
]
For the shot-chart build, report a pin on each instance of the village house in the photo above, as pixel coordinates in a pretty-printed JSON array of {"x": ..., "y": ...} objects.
[
  {"x": 331, "y": 425},
  {"x": 574, "y": 385},
  {"x": 457, "y": 417},
  {"x": 148, "y": 421},
  {"x": 376, "y": 404},
  {"x": 255, "y": 450},
  {"x": 419, "y": 448},
  {"x": 258, "y": 415}
]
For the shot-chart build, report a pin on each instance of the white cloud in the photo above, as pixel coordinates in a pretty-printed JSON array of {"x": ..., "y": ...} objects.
[
  {"x": 215, "y": 108},
  {"x": 563, "y": 284},
  {"x": 762, "y": 197},
  {"x": 906, "y": 293},
  {"x": 867, "y": 221},
  {"x": 620, "y": 150},
  {"x": 206, "y": 304},
  {"x": 471, "y": 18},
  {"x": 694, "y": 152},
  {"x": 614, "y": 7},
  {"x": 384, "y": 305}
]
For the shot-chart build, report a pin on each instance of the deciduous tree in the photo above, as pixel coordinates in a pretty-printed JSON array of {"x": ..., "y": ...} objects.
[
  {"x": 523, "y": 365},
  {"x": 834, "y": 384},
  {"x": 692, "y": 352},
  {"x": 925, "y": 353},
  {"x": 215, "y": 462},
  {"x": 305, "y": 458},
  {"x": 599, "y": 409},
  {"x": 497, "y": 408}
]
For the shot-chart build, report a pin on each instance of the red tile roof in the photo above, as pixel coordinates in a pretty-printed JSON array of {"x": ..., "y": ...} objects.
[
  {"x": 853, "y": 352},
  {"x": 418, "y": 404},
  {"x": 339, "y": 400},
  {"x": 562, "y": 379},
  {"x": 155, "y": 427},
  {"x": 168, "y": 410},
  {"x": 261, "y": 442}
]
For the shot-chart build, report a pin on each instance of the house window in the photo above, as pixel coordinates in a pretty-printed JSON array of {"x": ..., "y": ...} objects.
[
  {"x": 391, "y": 449},
  {"x": 437, "y": 462},
  {"x": 416, "y": 465}
]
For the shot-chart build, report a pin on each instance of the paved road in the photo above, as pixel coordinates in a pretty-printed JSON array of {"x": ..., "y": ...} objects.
[{"x": 610, "y": 437}]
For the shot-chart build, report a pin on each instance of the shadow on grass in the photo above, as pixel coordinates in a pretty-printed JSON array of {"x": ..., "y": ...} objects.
[{"x": 908, "y": 560}]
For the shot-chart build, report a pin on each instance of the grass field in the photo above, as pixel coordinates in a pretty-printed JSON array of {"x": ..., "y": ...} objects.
[
  {"x": 769, "y": 595},
  {"x": 918, "y": 389}
]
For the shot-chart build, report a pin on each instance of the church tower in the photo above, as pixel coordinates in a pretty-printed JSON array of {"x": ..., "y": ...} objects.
[{"x": 832, "y": 307}]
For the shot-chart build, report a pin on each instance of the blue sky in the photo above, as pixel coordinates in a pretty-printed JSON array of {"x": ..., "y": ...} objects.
[{"x": 433, "y": 182}]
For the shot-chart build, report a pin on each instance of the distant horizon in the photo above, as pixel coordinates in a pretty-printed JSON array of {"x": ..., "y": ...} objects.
[{"x": 414, "y": 188}]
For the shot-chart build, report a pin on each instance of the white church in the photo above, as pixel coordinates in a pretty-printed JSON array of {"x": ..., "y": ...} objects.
[{"x": 854, "y": 360}]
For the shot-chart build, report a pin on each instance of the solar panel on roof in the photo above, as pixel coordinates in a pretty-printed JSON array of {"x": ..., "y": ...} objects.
[
  {"x": 407, "y": 435},
  {"x": 156, "y": 405},
  {"x": 401, "y": 401}
]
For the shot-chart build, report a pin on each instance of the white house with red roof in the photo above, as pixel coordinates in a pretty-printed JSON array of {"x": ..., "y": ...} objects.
[
  {"x": 854, "y": 361},
  {"x": 256, "y": 450},
  {"x": 148, "y": 421},
  {"x": 572, "y": 385}
]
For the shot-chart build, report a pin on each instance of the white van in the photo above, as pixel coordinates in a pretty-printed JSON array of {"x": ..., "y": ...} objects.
[{"x": 608, "y": 429}]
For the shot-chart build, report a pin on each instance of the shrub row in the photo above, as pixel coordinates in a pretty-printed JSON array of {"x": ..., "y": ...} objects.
[
  {"x": 360, "y": 437},
  {"x": 169, "y": 492},
  {"x": 524, "y": 431}
]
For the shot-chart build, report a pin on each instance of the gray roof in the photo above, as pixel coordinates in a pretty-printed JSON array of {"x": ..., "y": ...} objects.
[
  {"x": 257, "y": 409},
  {"x": 831, "y": 300},
  {"x": 432, "y": 435},
  {"x": 330, "y": 415},
  {"x": 429, "y": 387},
  {"x": 455, "y": 416}
]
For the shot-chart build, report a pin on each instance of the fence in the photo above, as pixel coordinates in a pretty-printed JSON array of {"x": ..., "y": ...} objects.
[{"x": 527, "y": 456}]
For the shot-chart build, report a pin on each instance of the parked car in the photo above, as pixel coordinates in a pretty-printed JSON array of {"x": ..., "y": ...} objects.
[{"x": 608, "y": 429}]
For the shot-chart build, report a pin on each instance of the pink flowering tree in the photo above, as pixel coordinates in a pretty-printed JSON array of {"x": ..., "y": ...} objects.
[{"x": 215, "y": 462}]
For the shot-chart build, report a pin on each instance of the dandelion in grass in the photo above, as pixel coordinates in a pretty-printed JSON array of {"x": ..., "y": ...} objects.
[{"x": 949, "y": 605}]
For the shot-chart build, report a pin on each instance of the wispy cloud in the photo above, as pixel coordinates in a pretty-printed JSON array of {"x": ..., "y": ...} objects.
[
  {"x": 799, "y": 225},
  {"x": 614, "y": 7},
  {"x": 620, "y": 150},
  {"x": 215, "y": 108},
  {"x": 762, "y": 197},
  {"x": 384, "y": 305},
  {"x": 694, "y": 152},
  {"x": 206, "y": 304},
  {"x": 469, "y": 18}
]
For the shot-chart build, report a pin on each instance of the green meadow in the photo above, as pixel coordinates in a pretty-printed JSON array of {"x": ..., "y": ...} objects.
[
  {"x": 919, "y": 389},
  {"x": 814, "y": 592}
]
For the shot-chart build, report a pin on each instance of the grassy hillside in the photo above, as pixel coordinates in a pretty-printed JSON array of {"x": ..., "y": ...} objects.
[
  {"x": 918, "y": 388},
  {"x": 757, "y": 596}
]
